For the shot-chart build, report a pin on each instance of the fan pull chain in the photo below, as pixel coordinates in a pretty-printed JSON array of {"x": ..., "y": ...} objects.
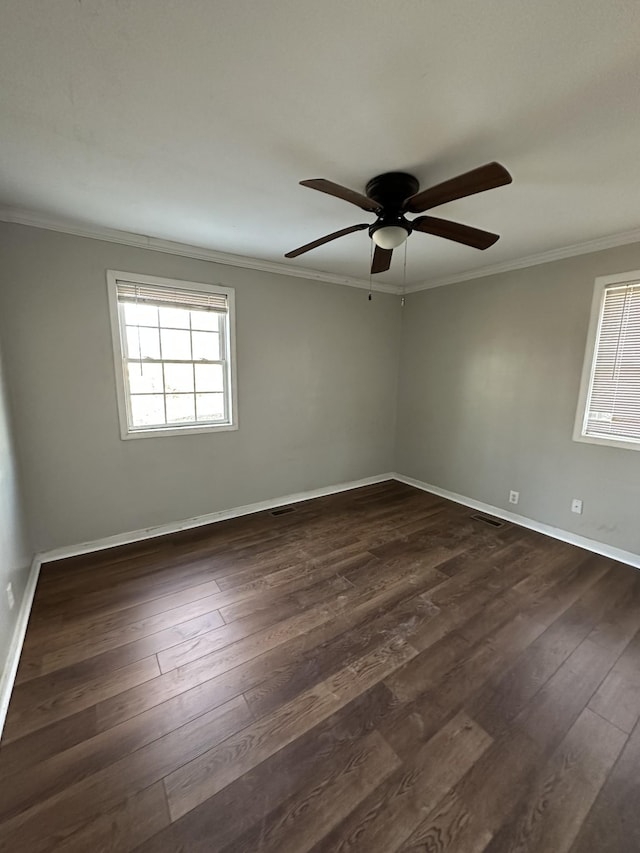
[
  {"x": 404, "y": 275},
  {"x": 370, "y": 266}
]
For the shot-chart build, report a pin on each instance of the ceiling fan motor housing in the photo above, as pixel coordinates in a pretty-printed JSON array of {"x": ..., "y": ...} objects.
[{"x": 391, "y": 190}]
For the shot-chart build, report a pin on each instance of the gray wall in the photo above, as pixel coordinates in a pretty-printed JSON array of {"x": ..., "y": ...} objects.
[
  {"x": 15, "y": 554},
  {"x": 489, "y": 379},
  {"x": 488, "y": 385},
  {"x": 317, "y": 370}
]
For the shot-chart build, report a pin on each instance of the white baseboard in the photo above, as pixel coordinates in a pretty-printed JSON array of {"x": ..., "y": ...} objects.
[
  {"x": 555, "y": 532},
  {"x": 209, "y": 518},
  {"x": 15, "y": 648}
]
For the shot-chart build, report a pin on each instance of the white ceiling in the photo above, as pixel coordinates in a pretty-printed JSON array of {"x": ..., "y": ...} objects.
[{"x": 193, "y": 120}]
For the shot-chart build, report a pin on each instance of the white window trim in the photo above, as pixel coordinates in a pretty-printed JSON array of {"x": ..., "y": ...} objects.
[
  {"x": 114, "y": 276},
  {"x": 588, "y": 368}
]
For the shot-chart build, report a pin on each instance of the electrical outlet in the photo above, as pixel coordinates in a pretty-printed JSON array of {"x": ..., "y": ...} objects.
[
  {"x": 514, "y": 497},
  {"x": 576, "y": 506},
  {"x": 10, "y": 597}
]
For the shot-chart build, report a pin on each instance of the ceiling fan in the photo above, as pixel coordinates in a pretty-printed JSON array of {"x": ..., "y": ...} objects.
[{"x": 392, "y": 195}]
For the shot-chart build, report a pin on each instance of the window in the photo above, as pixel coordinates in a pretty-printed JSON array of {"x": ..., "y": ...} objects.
[
  {"x": 173, "y": 349},
  {"x": 609, "y": 406}
]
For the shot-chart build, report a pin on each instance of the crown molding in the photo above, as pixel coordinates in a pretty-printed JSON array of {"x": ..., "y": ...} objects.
[
  {"x": 127, "y": 238},
  {"x": 622, "y": 239}
]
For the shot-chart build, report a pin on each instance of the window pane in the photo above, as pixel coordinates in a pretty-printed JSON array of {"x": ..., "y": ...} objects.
[
  {"x": 175, "y": 345},
  {"x": 175, "y": 318},
  {"x": 205, "y": 320},
  {"x": 209, "y": 377},
  {"x": 210, "y": 407},
  {"x": 142, "y": 343},
  {"x": 206, "y": 345},
  {"x": 142, "y": 315},
  {"x": 613, "y": 404},
  {"x": 145, "y": 378},
  {"x": 147, "y": 410},
  {"x": 174, "y": 356},
  {"x": 180, "y": 408},
  {"x": 178, "y": 377}
]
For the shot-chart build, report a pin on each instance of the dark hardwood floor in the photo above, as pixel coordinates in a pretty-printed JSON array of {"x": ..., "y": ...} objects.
[{"x": 372, "y": 671}]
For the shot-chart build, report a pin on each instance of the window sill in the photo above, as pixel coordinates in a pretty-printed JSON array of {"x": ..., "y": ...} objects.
[
  {"x": 172, "y": 431},
  {"x": 608, "y": 442}
]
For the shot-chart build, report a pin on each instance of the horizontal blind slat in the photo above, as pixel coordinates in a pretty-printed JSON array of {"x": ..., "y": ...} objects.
[
  {"x": 168, "y": 297},
  {"x": 613, "y": 404}
]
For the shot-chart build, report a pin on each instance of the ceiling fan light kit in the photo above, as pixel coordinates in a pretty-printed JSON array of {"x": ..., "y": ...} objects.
[
  {"x": 393, "y": 194},
  {"x": 389, "y": 236}
]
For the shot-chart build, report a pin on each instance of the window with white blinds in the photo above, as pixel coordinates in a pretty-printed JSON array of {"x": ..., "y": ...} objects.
[
  {"x": 609, "y": 410},
  {"x": 173, "y": 355}
]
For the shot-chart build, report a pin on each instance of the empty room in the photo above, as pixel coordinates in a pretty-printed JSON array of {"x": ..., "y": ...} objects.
[{"x": 319, "y": 426}]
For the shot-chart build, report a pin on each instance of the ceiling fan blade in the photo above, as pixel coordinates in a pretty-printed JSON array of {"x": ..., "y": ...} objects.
[
  {"x": 455, "y": 231},
  {"x": 327, "y": 239},
  {"x": 381, "y": 260},
  {"x": 361, "y": 201},
  {"x": 478, "y": 180}
]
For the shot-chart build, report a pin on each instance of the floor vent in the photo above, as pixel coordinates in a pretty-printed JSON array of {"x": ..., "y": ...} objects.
[
  {"x": 486, "y": 519},
  {"x": 283, "y": 510}
]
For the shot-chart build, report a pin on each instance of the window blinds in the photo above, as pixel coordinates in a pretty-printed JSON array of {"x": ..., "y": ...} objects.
[
  {"x": 164, "y": 297},
  {"x": 613, "y": 404}
]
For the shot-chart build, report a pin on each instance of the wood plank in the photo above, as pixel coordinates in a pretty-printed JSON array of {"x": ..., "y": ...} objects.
[
  {"x": 34, "y": 705},
  {"x": 107, "y": 630},
  {"x": 467, "y": 817},
  {"x": 69, "y": 811},
  {"x": 358, "y": 604},
  {"x": 114, "y": 648},
  {"x": 323, "y": 801},
  {"x": 323, "y": 590},
  {"x": 232, "y": 645},
  {"x": 199, "y": 599},
  {"x": 317, "y": 662},
  {"x": 81, "y": 760},
  {"x": 202, "y": 778},
  {"x": 459, "y": 598},
  {"x": 446, "y": 683},
  {"x": 123, "y": 826},
  {"x": 612, "y": 825},
  {"x": 244, "y": 677},
  {"x": 115, "y": 616},
  {"x": 508, "y": 693},
  {"x": 551, "y": 814},
  {"x": 391, "y": 813},
  {"x": 46, "y": 741},
  {"x": 122, "y": 597},
  {"x": 618, "y": 697},
  {"x": 245, "y": 803},
  {"x": 550, "y": 714}
]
